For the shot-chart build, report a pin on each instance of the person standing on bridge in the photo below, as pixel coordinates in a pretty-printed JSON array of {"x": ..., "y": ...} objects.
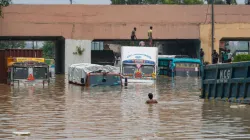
[
  {"x": 202, "y": 55},
  {"x": 230, "y": 56},
  {"x": 150, "y": 36},
  {"x": 133, "y": 36},
  {"x": 225, "y": 56},
  {"x": 215, "y": 57}
]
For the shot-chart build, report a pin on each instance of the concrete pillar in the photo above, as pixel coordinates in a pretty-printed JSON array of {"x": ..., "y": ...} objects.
[{"x": 71, "y": 57}]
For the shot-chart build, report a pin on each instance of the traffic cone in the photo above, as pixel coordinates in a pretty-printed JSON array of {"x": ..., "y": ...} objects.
[{"x": 31, "y": 77}]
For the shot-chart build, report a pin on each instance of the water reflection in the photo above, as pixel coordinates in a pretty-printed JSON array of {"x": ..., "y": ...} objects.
[{"x": 65, "y": 111}]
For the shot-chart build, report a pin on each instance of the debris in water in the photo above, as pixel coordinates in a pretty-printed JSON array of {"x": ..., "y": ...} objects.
[
  {"x": 237, "y": 106},
  {"x": 22, "y": 133}
]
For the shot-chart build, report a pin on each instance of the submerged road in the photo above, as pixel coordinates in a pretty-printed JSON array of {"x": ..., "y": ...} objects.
[{"x": 69, "y": 112}]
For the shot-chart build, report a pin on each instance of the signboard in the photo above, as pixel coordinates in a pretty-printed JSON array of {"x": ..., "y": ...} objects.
[
  {"x": 237, "y": 53},
  {"x": 24, "y": 59},
  {"x": 224, "y": 76},
  {"x": 138, "y": 66},
  {"x": 186, "y": 65}
]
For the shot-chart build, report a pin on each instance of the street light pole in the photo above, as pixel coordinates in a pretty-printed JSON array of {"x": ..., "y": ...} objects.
[{"x": 212, "y": 16}]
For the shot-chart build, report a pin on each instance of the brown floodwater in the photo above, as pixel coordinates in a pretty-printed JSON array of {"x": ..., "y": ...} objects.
[{"x": 63, "y": 111}]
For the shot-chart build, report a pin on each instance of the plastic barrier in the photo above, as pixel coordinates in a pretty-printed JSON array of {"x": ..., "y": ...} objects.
[{"x": 228, "y": 82}]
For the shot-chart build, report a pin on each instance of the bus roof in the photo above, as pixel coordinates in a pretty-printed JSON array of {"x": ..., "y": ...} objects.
[{"x": 188, "y": 60}]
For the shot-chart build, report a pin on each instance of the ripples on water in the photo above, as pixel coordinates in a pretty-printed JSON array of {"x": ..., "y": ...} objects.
[{"x": 65, "y": 111}]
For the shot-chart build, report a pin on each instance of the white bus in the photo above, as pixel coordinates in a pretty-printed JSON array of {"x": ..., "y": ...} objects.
[{"x": 139, "y": 64}]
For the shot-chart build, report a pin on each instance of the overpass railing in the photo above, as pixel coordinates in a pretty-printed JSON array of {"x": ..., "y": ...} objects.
[{"x": 228, "y": 82}]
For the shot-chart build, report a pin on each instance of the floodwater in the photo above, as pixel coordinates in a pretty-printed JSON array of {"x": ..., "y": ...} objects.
[{"x": 68, "y": 112}]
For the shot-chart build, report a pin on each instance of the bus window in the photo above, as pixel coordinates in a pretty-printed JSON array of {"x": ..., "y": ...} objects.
[
  {"x": 129, "y": 69},
  {"x": 147, "y": 69},
  {"x": 40, "y": 72},
  {"x": 20, "y": 73}
]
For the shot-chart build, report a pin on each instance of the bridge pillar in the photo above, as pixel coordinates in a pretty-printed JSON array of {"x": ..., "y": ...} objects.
[{"x": 73, "y": 56}]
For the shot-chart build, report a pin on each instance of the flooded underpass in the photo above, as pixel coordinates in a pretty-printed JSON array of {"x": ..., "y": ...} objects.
[{"x": 70, "y": 112}]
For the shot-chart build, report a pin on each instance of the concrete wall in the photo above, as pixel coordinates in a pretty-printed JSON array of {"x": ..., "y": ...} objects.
[
  {"x": 70, "y": 48},
  {"x": 236, "y": 30}
]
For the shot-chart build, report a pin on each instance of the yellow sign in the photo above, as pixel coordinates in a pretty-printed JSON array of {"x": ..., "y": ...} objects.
[
  {"x": 12, "y": 60},
  {"x": 24, "y": 59}
]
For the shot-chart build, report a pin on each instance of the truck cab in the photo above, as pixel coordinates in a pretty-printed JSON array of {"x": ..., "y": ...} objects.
[{"x": 28, "y": 71}]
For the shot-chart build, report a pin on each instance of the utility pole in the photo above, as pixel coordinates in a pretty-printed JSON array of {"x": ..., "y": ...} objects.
[
  {"x": 70, "y": 1},
  {"x": 212, "y": 16}
]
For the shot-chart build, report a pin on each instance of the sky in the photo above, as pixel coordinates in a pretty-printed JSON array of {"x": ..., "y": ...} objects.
[
  {"x": 60, "y": 1},
  {"x": 74, "y": 1}
]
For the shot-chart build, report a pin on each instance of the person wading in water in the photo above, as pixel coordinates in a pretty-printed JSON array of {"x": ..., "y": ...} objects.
[
  {"x": 133, "y": 36},
  {"x": 150, "y": 36},
  {"x": 151, "y": 100}
]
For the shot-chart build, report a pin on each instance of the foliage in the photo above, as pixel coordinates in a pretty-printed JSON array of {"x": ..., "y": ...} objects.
[
  {"x": 156, "y": 2},
  {"x": 48, "y": 49},
  {"x": 241, "y": 57},
  {"x": 222, "y": 1},
  {"x": 4, "y": 3},
  {"x": 79, "y": 50},
  {"x": 129, "y": 2},
  {"x": 206, "y": 63},
  {"x": 12, "y": 44}
]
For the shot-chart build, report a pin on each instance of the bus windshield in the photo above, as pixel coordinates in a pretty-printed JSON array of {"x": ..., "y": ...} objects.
[
  {"x": 20, "y": 73},
  {"x": 147, "y": 69},
  {"x": 108, "y": 80},
  {"x": 129, "y": 69},
  {"x": 40, "y": 72}
]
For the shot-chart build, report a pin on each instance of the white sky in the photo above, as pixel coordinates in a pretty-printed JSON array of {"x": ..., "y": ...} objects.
[{"x": 74, "y": 1}]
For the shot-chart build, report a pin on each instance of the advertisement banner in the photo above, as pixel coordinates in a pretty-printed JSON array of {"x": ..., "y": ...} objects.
[{"x": 24, "y": 59}]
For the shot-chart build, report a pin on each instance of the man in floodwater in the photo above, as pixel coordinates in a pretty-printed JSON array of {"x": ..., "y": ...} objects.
[{"x": 151, "y": 100}]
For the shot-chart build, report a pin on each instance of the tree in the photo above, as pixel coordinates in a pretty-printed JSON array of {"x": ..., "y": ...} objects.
[
  {"x": 4, "y": 3},
  {"x": 48, "y": 49},
  {"x": 12, "y": 44},
  {"x": 222, "y": 2},
  {"x": 156, "y": 2}
]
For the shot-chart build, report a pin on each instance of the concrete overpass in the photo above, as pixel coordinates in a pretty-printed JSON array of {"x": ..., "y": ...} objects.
[{"x": 80, "y": 24}]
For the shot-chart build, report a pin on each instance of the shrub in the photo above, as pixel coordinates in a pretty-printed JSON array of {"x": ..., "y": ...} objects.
[{"x": 241, "y": 57}]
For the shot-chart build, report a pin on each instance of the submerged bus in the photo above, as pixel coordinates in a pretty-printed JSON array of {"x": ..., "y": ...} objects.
[
  {"x": 178, "y": 66},
  {"x": 24, "y": 70},
  {"x": 139, "y": 64}
]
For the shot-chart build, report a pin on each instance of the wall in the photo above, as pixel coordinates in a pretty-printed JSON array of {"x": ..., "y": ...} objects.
[
  {"x": 236, "y": 30},
  {"x": 70, "y": 47}
]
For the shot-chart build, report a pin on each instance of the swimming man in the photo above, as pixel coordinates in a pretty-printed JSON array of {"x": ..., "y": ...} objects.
[{"x": 151, "y": 100}]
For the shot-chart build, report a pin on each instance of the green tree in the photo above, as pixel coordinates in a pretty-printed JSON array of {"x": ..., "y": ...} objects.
[
  {"x": 222, "y": 2},
  {"x": 156, "y": 2},
  {"x": 130, "y": 2},
  {"x": 4, "y": 3},
  {"x": 12, "y": 44},
  {"x": 121, "y": 2},
  {"x": 48, "y": 49}
]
